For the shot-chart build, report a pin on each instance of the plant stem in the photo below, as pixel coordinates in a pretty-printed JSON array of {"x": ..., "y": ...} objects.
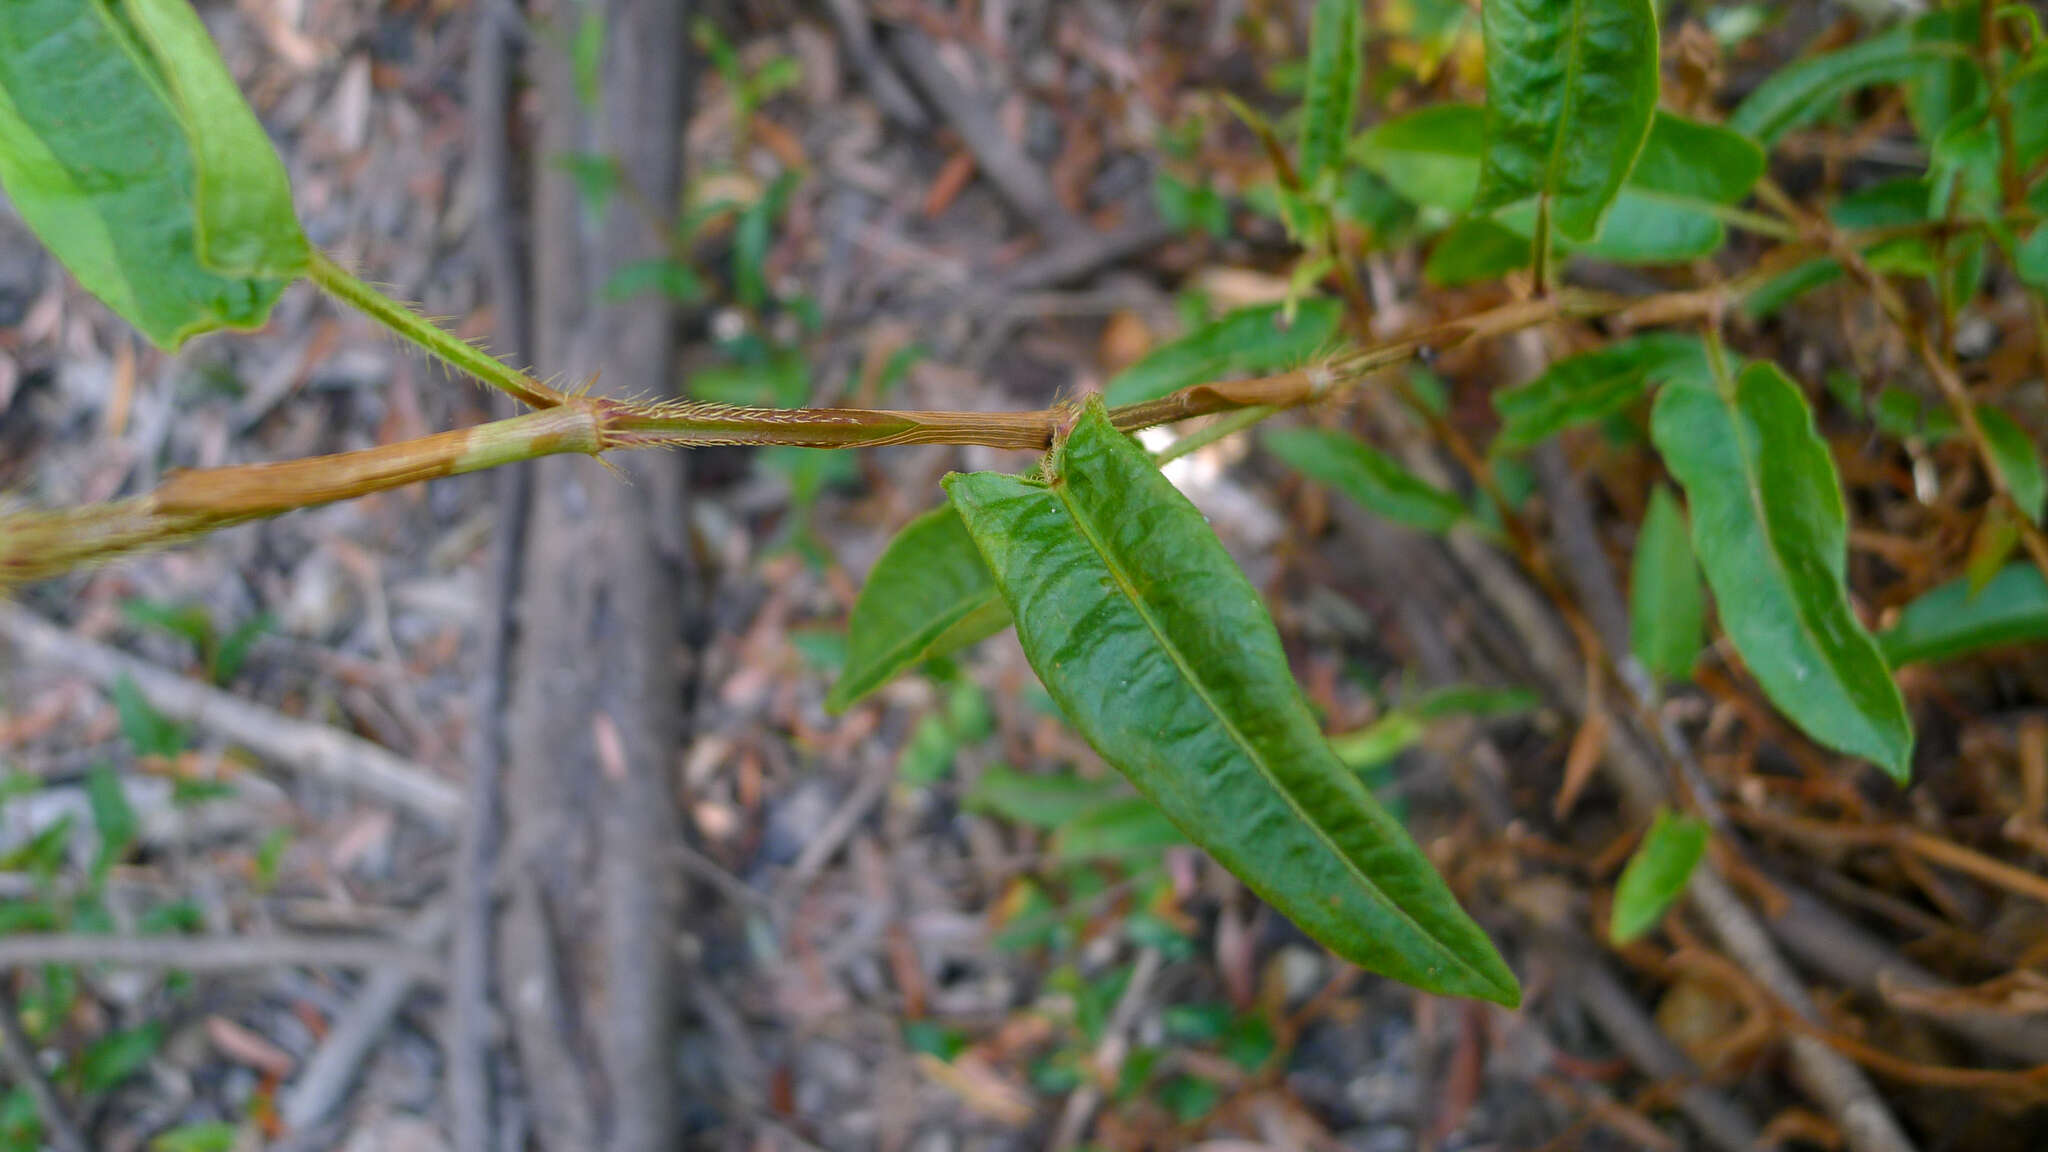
[
  {"x": 40, "y": 544},
  {"x": 1757, "y": 222},
  {"x": 435, "y": 340}
]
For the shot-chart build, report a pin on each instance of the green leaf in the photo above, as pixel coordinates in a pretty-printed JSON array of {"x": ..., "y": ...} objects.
[
  {"x": 1475, "y": 701},
  {"x": 752, "y": 237},
  {"x": 1769, "y": 528},
  {"x": 779, "y": 380},
  {"x": 43, "y": 853},
  {"x": 1789, "y": 285},
  {"x": 118, "y": 1055},
  {"x": 125, "y": 146},
  {"x": 1799, "y": 93},
  {"x": 928, "y": 754},
  {"x": 226, "y": 662},
  {"x": 1476, "y": 249},
  {"x": 928, "y": 595},
  {"x": 21, "y": 1125},
  {"x": 1378, "y": 742},
  {"x": 2019, "y": 459},
  {"x": 1123, "y": 828},
  {"x": 1949, "y": 621},
  {"x": 1159, "y": 652},
  {"x": 215, "y": 1136},
  {"x": 1336, "y": 63},
  {"x": 1041, "y": 800},
  {"x": 1362, "y": 473},
  {"x": 1944, "y": 88},
  {"x": 1430, "y": 155},
  {"x": 1665, "y": 212},
  {"x": 596, "y": 177},
  {"x": 188, "y": 622},
  {"x": 2028, "y": 96},
  {"x": 661, "y": 275},
  {"x": 1571, "y": 86},
  {"x": 1189, "y": 1098},
  {"x": 19, "y": 916},
  {"x": 1589, "y": 387},
  {"x": 1657, "y": 874},
  {"x": 1887, "y": 204},
  {"x": 1667, "y": 606},
  {"x": 1997, "y": 534},
  {"x": 1190, "y": 207},
  {"x": 111, "y": 817},
  {"x": 151, "y": 732},
  {"x": 270, "y": 856},
  {"x": 183, "y": 917},
  {"x": 1249, "y": 340},
  {"x": 2030, "y": 258},
  {"x": 1963, "y": 168},
  {"x": 586, "y": 55}
]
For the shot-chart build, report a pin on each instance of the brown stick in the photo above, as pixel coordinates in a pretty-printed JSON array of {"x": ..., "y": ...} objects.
[
  {"x": 315, "y": 749},
  {"x": 217, "y": 953}
]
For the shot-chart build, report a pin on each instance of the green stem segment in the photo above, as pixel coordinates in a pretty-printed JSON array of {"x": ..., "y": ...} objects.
[{"x": 429, "y": 336}]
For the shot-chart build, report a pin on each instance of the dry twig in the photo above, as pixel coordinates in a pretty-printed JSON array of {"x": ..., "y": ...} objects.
[
  {"x": 295, "y": 744},
  {"x": 217, "y": 953},
  {"x": 325, "y": 1079}
]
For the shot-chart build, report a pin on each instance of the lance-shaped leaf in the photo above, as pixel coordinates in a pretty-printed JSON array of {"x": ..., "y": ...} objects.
[
  {"x": 1430, "y": 155},
  {"x": 1770, "y": 530},
  {"x": 1657, "y": 874},
  {"x": 1123, "y": 828},
  {"x": 1159, "y": 652},
  {"x": 1256, "y": 339},
  {"x": 1802, "y": 92},
  {"x": 1336, "y": 62},
  {"x": 2030, "y": 256},
  {"x": 1667, "y": 607},
  {"x": 125, "y": 146},
  {"x": 1953, "y": 621},
  {"x": 1477, "y": 248},
  {"x": 1366, "y": 475},
  {"x": 2018, "y": 459},
  {"x": 1041, "y": 800},
  {"x": 1588, "y": 387},
  {"x": 1666, "y": 211},
  {"x": 928, "y": 595},
  {"x": 1571, "y": 86}
]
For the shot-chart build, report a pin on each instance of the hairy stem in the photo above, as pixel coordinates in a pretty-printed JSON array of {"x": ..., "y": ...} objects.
[
  {"x": 36, "y": 545},
  {"x": 430, "y": 337}
]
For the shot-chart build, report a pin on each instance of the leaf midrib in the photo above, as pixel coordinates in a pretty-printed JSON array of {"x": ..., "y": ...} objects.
[
  {"x": 1126, "y": 585},
  {"x": 1566, "y": 104}
]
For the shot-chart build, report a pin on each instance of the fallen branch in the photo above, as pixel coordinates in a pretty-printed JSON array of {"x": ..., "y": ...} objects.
[
  {"x": 216, "y": 953},
  {"x": 313, "y": 749},
  {"x": 327, "y": 1074}
]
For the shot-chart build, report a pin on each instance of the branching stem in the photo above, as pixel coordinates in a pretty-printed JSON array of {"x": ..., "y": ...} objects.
[{"x": 40, "y": 544}]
